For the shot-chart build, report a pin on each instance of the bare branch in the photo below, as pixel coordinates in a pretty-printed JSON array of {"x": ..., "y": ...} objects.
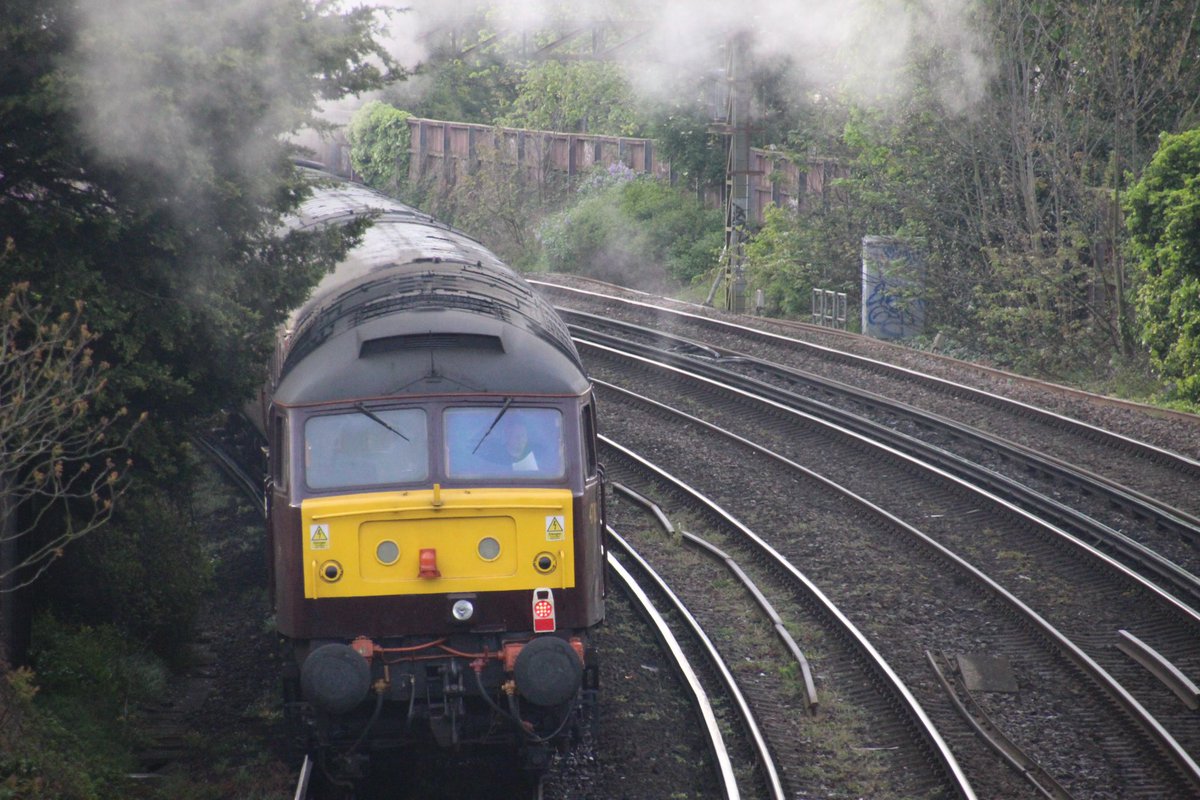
[{"x": 61, "y": 469}]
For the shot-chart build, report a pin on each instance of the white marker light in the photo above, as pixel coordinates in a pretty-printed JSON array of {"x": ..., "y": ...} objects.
[
  {"x": 489, "y": 549},
  {"x": 463, "y": 610}
]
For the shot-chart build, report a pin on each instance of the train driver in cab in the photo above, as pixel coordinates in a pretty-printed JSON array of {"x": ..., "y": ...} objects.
[{"x": 516, "y": 443}]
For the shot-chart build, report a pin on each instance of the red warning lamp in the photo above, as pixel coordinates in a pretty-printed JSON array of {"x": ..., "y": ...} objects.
[
  {"x": 429, "y": 568},
  {"x": 543, "y": 611}
]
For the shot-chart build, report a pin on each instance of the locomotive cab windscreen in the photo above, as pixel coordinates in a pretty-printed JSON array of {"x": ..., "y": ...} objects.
[{"x": 371, "y": 449}]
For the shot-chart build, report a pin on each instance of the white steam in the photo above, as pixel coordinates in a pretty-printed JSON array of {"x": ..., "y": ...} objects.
[
  {"x": 156, "y": 78},
  {"x": 861, "y": 48},
  {"x": 139, "y": 111}
]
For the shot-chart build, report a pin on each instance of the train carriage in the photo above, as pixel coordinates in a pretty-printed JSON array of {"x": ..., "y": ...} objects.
[{"x": 436, "y": 515}]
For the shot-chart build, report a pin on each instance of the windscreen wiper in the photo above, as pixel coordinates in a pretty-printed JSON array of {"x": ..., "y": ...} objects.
[
  {"x": 507, "y": 402},
  {"x": 371, "y": 415}
]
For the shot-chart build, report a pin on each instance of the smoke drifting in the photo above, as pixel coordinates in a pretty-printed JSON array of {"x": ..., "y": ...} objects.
[
  {"x": 156, "y": 73},
  {"x": 860, "y": 48},
  {"x": 180, "y": 87}
]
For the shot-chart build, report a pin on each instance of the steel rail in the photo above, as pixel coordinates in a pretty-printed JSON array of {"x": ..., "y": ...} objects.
[
  {"x": 939, "y": 749},
  {"x": 759, "y": 742},
  {"x": 1153, "y": 728},
  {"x": 234, "y": 471},
  {"x": 810, "y": 688},
  {"x": 1137, "y": 503},
  {"x": 889, "y": 367},
  {"x": 1045, "y": 783},
  {"x": 306, "y": 770},
  {"x": 947, "y": 466},
  {"x": 663, "y": 632}
]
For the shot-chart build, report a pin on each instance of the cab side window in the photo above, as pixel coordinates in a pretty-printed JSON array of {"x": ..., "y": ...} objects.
[
  {"x": 366, "y": 448},
  {"x": 279, "y": 453},
  {"x": 588, "y": 426}
]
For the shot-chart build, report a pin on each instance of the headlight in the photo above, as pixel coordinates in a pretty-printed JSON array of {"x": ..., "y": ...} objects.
[
  {"x": 388, "y": 552},
  {"x": 331, "y": 571},
  {"x": 489, "y": 549}
]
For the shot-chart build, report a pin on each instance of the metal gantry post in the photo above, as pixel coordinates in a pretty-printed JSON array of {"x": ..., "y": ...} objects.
[
  {"x": 738, "y": 206},
  {"x": 736, "y": 126}
]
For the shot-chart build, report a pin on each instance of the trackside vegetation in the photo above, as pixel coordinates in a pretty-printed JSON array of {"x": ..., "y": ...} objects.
[
  {"x": 144, "y": 173},
  {"x": 146, "y": 169}
]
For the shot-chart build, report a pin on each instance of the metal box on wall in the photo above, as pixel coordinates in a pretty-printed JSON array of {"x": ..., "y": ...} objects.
[{"x": 893, "y": 288}]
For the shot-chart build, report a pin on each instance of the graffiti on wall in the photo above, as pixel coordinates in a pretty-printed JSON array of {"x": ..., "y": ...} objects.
[{"x": 893, "y": 282}]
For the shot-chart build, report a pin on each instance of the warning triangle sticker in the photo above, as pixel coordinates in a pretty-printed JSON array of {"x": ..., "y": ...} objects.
[{"x": 319, "y": 537}]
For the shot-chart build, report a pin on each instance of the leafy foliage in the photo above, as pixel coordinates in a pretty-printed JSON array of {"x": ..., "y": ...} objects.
[
  {"x": 790, "y": 256},
  {"x": 60, "y": 460},
  {"x": 154, "y": 573},
  {"x": 144, "y": 166},
  {"x": 480, "y": 89},
  {"x": 44, "y": 757},
  {"x": 633, "y": 229},
  {"x": 1164, "y": 227},
  {"x": 379, "y": 145},
  {"x": 697, "y": 155},
  {"x": 578, "y": 96}
]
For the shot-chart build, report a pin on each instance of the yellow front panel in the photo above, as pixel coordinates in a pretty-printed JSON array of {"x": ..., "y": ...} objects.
[
  {"x": 347, "y": 531},
  {"x": 459, "y": 561}
]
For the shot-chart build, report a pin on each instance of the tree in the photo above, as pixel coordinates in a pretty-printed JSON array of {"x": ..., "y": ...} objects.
[
  {"x": 1164, "y": 225},
  {"x": 379, "y": 145},
  {"x": 478, "y": 88},
  {"x": 1013, "y": 181},
  {"x": 577, "y": 96},
  {"x": 145, "y": 167},
  {"x": 61, "y": 467},
  {"x": 58, "y": 459},
  {"x": 697, "y": 154},
  {"x": 159, "y": 196}
]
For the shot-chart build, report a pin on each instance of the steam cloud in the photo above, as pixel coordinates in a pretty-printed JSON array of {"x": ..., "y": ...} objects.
[
  {"x": 156, "y": 77},
  {"x": 137, "y": 112},
  {"x": 859, "y": 47}
]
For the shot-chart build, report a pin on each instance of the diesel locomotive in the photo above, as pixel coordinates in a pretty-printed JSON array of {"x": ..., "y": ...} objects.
[{"x": 436, "y": 520}]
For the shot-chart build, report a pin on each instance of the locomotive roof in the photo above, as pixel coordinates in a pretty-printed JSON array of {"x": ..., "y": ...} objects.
[{"x": 417, "y": 307}]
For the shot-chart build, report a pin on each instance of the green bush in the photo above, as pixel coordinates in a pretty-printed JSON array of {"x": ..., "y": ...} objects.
[
  {"x": 97, "y": 663},
  {"x": 379, "y": 144},
  {"x": 1163, "y": 211},
  {"x": 632, "y": 230},
  {"x": 144, "y": 574},
  {"x": 66, "y": 746},
  {"x": 790, "y": 255}
]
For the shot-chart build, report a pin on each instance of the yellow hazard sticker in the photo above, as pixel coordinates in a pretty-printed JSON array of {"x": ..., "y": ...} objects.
[
  {"x": 555, "y": 528},
  {"x": 318, "y": 537}
]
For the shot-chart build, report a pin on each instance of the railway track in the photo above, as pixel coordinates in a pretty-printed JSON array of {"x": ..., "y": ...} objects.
[
  {"x": 575, "y": 289},
  {"x": 1162, "y": 470},
  {"x": 1145, "y": 785},
  {"x": 725, "y": 775},
  {"x": 1160, "y": 542},
  {"x": 872, "y": 736}
]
